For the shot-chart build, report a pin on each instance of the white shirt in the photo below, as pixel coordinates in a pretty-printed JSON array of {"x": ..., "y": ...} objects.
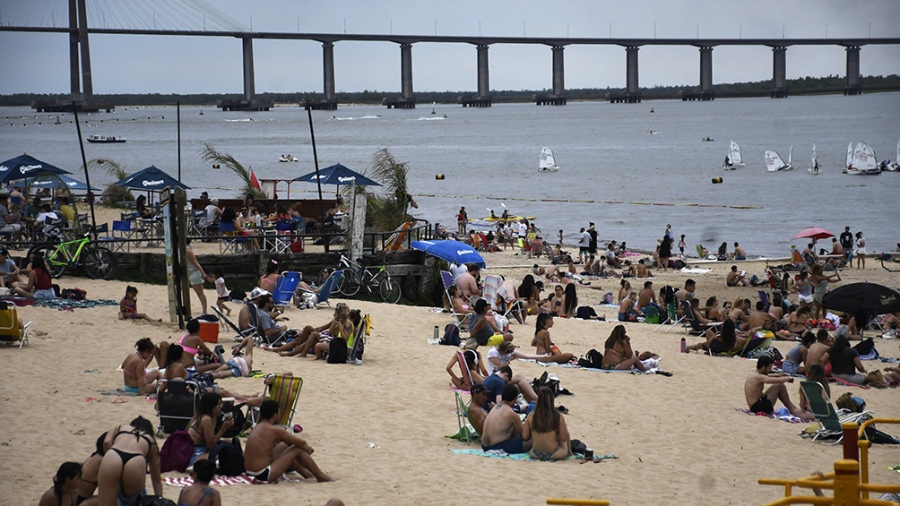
[
  {"x": 585, "y": 240},
  {"x": 458, "y": 270},
  {"x": 494, "y": 352},
  {"x": 523, "y": 230},
  {"x": 42, "y": 218}
]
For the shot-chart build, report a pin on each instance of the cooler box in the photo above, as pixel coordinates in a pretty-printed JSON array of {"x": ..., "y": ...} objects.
[{"x": 209, "y": 328}]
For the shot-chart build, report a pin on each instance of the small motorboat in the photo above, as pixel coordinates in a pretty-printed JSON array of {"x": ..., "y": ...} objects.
[
  {"x": 288, "y": 158},
  {"x": 105, "y": 139}
]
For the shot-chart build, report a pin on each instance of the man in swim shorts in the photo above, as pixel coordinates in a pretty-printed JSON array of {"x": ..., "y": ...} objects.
[
  {"x": 503, "y": 427},
  {"x": 271, "y": 450},
  {"x": 764, "y": 402}
]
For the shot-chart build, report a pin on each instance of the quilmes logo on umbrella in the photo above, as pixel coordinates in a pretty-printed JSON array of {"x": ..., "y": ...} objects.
[
  {"x": 888, "y": 299},
  {"x": 25, "y": 169},
  {"x": 462, "y": 252},
  {"x": 153, "y": 182}
]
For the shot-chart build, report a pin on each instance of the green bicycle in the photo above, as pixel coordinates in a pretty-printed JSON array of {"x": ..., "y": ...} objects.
[{"x": 97, "y": 261}]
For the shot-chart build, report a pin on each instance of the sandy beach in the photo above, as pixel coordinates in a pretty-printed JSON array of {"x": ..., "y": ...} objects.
[{"x": 378, "y": 428}]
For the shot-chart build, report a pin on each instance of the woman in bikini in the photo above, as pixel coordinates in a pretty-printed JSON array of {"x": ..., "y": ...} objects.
[
  {"x": 554, "y": 302},
  {"x": 625, "y": 290},
  {"x": 547, "y": 430},
  {"x": 726, "y": 341},
  {"x": 65, "y": 486},
  {"x": 569, "y": 302},
  {"x": 89, "y": 470},
  {"x": 458, "y": 303},
  {"x": 202, "y": 427},
  {"x": 618, "y": 354},
  {"x": 341, "y": 328},
  {"x": 543, "y": 345},
  {"x": 123, "y": 470},
  {"x": 134, "y": 368},
  {"x": 269, "y": 280},
  {"x": 530, "y": 294}
]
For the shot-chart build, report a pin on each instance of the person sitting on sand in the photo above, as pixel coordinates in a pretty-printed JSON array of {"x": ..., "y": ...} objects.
[
  {"x": 647, "y": 297},
  {"x": 546, "y": 428},
  {"x": 343, "y": 327},
  {"x": 473, "y": 363},
  {"x": 503, "y": 428},
  {"x": 39, "y": 284},
  {"x": 66, "y": 483},
  {"x": 817, "y": 350},
  {"x": 764, "y": 402},
  {"x": 627, "y": 308},
  {"x": 735, "y": 278},
  {"x": 726, "y": 341},
  {"x": 305, "y": 341},
  {"x": 483, "y": 329},
  {"x": 629, "y": 270},
  {"x": 128, "y": 306},
  {"x": 739, "y": 253},
  {"x": 760, "y": 318},
  {"x": 712, "y": 310},
  {"x": 642, "y": 270},
  {"x": 270, "y": 450},
  {"x": 845, "y": 362},
  {"x": 268, "y": 324},
  {"x": 618, "y": 354},
  {"x": 816, "y": 373},
  {"x": 798, "y": 321},
  {"x": 506, "y": 352},
  {"x": 202, "y": 427},
  {"x": 740, "y": 312},
  {"x": 200, "y": 493},
  {"x": 90, "y": 468},
  {"x": 544, "y": 345},
  {"x": 795, "y": 360},
  {"x": 134, "y": 368},
  {"x": 132, "y": 450}
]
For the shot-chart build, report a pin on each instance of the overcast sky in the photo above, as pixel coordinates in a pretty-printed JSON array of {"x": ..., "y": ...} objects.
[{"x": 38, "y": 62}]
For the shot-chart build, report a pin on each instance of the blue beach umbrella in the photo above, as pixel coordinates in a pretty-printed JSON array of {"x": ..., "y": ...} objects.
[
  {"x": 339, "y": 175},
  {"x": 25, "y": 166},
  {"x": 451, "y": 251},
  {"x": 57, "y": 181},
  {"x": 151, "y": 179}
]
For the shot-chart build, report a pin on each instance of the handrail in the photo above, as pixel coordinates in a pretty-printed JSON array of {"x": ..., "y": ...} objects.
[{"x": 863, "y": 446}]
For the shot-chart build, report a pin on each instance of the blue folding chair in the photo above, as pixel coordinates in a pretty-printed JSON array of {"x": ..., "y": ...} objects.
[
  {"x": 325, "y": 290},
  {"x": 287, "y": 285},
  {"x": 229, "y": 243}
]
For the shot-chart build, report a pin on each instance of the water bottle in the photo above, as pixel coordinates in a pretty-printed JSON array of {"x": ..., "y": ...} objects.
[
  {"x": 437, "y": 337},
  {"x": 683, "y": 345}
]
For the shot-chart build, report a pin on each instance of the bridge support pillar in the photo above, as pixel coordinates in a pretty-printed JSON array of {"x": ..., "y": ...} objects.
[
  {"x": 706, "y": 74},
  {"x": 483, "y": 98},
  {"x": 74, "y": 61},
  {"x": 328, "y": 103},
  {"x": 407, "y": 99},
  {"x": 632, "y": 86},
  {"x": 779, "y": 82},
  {"x": 854, "y": 84},
  {"x": 249, "y": 78}
]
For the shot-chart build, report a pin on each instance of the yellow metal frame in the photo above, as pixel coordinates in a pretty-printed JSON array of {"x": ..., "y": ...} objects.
[
  {"x": 578, "y": 502},
  {"x": 849, "y": 481}
]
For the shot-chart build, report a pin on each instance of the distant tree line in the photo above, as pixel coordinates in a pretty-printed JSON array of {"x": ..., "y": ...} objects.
[{"x": 803, "y": 86}]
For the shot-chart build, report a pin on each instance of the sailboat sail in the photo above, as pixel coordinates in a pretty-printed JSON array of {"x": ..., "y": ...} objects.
[
  {"x": 735, "y": 154},
  {"x": 814, "y": 167},
  {"x": 864, "y": 157},
  {"x": 849, "y": 156},
  {"x": 774, "y": 163},
  {"x": 791, "y": 156},
  {"x": 897, "y": 158},
  {"x": 548, "y": 162}
]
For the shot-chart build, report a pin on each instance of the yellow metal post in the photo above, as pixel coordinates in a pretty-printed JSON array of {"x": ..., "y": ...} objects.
[{"x": 846, "y": 482}]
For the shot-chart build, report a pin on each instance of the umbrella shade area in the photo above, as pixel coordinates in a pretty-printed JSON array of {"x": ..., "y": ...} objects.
[
  {"x": 815, "y": 233},
  {"x": 451, "y": 251},
  {"x": 25, "y": 166},
  {"x": 57, "y": 181},
  {"x": 151, "y": 179},
  {"x": 863, "y": 299},
  {"x": 339, "y": 175}
]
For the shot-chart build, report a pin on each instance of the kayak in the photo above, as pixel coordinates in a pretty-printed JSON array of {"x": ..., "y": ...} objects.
[{"x": 510, "y": 218}]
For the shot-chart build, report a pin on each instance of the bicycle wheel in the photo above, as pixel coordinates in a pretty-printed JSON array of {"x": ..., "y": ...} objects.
[
  {"x": 99, "y": 263},
  {"x": 323, "y": 275},
  {"x": 56, "y": 260},
  {"x": 350, "y": 283},
  {"x": 390, "y": 289}
]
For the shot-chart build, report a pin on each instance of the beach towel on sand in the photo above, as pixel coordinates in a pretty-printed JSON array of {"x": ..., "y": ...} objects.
[
  {"x": 775, "y": 416},
  {"x": 218, "y": 480}
]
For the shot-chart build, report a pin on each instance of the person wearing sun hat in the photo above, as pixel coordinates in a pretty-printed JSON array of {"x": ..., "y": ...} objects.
[{"x": 244, "y": 315}]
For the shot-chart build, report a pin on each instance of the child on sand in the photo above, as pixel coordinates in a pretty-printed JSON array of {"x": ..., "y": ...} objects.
[
  {"x": 128, "y": 306},
  {"x": 200, "y": 493},
  {"x": 221, "y": 290}
]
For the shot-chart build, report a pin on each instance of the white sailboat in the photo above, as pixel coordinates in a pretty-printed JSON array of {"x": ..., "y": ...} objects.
[
  {"x": 864, "y": 162},
  {"x": 547, "y": 163},
  {"x": 733, "y": 160},
  {"x": 814, "y": 168},
  {"x": 774, "y": 163},
  {"x": 895, "y": 166},
  {"x": 849, "y": 158}
]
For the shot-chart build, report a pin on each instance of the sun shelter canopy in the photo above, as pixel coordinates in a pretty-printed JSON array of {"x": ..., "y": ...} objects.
[
  {"x": 814, "y": 233},
  {"x": 862, "y": 299},
  {"x": 151, "y": 179},
  {"x": 451, "y": 251},
  {"x": 26, "y": 166},
  {"x": 57, "y": 181},
  {"x": 339, "y": 175}
]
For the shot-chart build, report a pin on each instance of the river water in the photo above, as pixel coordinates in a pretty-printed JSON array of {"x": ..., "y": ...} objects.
[{"x": 610, "y": 161}]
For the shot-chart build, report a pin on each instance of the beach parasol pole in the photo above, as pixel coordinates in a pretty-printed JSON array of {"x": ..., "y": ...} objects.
[
  {"x": 87, "y": 177},
  {"x": 312, "y": 135}
]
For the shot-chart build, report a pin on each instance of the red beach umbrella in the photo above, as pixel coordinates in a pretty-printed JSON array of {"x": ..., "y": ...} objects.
[{"x": 814, "y": 233}]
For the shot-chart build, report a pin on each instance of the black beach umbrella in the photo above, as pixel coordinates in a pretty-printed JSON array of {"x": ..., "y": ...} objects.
[
  {"x": 862, "y": 300},
  {"x": 151, "y": 179},
  {"x": 25, "y": 166}
]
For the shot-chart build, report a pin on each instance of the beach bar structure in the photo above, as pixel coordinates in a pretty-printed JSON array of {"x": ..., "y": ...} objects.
[{"x": 82, "y": 91}]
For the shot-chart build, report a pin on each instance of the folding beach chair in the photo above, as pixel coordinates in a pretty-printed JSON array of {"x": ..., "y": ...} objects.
[
  {"x": 239, "y": 334},
  {"x": 357, "y": 343},
  {"x": 464, "y": 368},
  {"x": 692, "y": 324},
  {"x": 10, "y": 331},
  {"x": 176, "y": 405},
  {"x": 459, "y": 319},
  {"x": 230, "y": 243},
  {"x": 288, "y": 282},
  {"x": 324, "y": 292},
  {"x": 510, "y": 304},
  {"x": 830, "y": 421},
  {"x": 764, "y": 298},
  {"x": 285, "y": 390},
  {"x": 465, "y": 429},
  {"x": 259, "y": 335}
]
